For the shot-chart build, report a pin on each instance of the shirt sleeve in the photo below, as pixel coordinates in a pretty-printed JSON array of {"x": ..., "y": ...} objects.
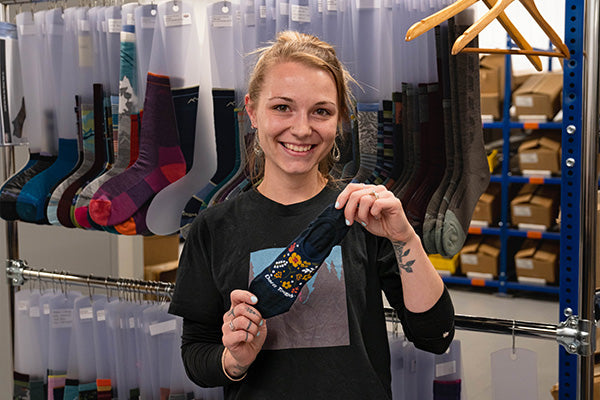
[
  {"x": 198, "y": 301},
  {"x": 431, "y": 330}
]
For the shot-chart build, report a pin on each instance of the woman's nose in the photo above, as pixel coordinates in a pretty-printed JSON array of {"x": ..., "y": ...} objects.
[{"x": 301, "y": 126}]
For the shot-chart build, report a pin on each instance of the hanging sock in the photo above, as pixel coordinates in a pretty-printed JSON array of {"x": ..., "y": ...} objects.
[
  {"x": 446, "y": 390},
  {"x": 432, "y": 150},
  {"x": 88, "y": 391},
  {"x": 410, "y": 149},
  {"x": 475, "y": 175},
  {"x": 125, "y": 122},
  {"x": 35, "y": 194},
  {"x": 11, "y": 189},
  {"x": 227, "y": 153},
  {"x": 376, "y": 174},
  {"x": 366, "y": 116},
  {"x": 185, "y": 102},
  {"x": 397, "y": 158},
  {"x": 279, "y": 284},
  {"x": 388, "y": 143},
  {"x": 160, "y": 161},
  {"x": 104, "y": 388},
  {"x": 136, "y": 224},
  {"x": 94, "y": 161}
]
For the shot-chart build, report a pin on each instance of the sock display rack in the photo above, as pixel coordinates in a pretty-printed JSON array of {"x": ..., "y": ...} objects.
[
  {"x": 505, "y": 230},
  {"x": 578, "y": 184}
]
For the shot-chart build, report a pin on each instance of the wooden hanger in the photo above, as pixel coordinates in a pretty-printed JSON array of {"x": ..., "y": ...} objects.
[
  {"x": 455, "y": 8},
  {"x": 500, "y": 6}
]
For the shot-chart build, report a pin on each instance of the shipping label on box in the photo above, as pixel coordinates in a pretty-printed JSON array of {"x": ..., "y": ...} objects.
[
  {"x": 540, "y": 94},
  {"x": 480, "y": 255},
  {"x": 541, "y": 154},
  {"x": 538, "y": 259},
  {"x": 535, "y": 205}
]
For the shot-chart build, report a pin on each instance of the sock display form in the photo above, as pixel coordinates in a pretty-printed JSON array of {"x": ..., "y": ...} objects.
[{"x": 279, "y": 284}]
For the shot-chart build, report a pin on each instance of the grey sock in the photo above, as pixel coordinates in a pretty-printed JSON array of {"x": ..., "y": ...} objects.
[{"x": 367, "y": 139}]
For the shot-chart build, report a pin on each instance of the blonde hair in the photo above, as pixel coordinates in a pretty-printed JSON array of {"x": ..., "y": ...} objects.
[{"x": 310, "y": 51}]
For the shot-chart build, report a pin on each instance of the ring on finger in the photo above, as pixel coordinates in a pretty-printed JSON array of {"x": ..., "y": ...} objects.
[
  {"x": 374, "y": 194},
  {"x": 231, "y": 326}
]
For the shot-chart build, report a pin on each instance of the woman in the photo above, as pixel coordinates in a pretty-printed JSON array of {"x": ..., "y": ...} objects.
[{"x": 332, "y": 343}]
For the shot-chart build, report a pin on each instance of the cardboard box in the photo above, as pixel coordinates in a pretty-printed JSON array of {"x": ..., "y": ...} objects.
[
  {"x": 160, "y": 249},
  {"x": 480, "y": 255},
  {"x": 491, "y": 105},
  {"x": 540, "y": 94},
  {"x": 492, "y": 74},
  {"x": 487, "y": 208},
  {"x": 161, "y": 272},
  {"x": 540, "y": 154},
  {"x": 535, "y": 205},
  {"x": 538, "y": 259}
]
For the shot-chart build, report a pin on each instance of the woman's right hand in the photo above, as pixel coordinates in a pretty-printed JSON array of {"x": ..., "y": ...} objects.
[{"x": 244, "y": 333}]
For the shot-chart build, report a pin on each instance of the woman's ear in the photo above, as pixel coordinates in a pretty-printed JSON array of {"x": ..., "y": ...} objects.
[{"x": 249, "y": 104}]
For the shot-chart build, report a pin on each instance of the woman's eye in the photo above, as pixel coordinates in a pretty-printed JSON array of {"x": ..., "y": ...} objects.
[
  {"x": 323, "y": 111},
  {"x": 281, "y": 107}
]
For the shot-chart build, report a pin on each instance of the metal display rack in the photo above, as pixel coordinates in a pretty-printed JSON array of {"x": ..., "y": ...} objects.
[{"x": 579, "y": 184}]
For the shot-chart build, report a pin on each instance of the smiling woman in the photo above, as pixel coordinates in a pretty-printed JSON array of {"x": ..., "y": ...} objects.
[{"x": 334, "y": 336}]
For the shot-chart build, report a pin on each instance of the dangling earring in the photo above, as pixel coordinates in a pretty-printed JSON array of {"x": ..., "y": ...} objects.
[
  {"x": 335, "y": 152},
  {"x": 257, "y": 149}
]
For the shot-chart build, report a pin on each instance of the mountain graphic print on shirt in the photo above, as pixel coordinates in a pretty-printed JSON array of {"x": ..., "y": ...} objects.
[{"x": 319, "y": 317}]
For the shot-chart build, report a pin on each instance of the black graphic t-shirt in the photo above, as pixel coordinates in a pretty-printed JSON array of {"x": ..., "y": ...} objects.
[{"x": 333, "y": 341}]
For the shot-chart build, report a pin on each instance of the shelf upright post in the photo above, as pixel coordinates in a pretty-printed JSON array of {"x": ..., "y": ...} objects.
[
  {"x": 504, "y": 185},
  {"x": 574, "y": 374}
]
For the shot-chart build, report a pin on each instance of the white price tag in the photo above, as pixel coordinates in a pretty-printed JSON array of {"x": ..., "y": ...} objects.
[
  {"x": 178, "y": 19},
  {"x": 162, "y": 327},
  {"x": 61, "y": 318},
  {"x": 221, "y": 21},
  {"x": 101, "y": 315},
  {"x": 300, "y": 13},
  {"x": 129, "y": 19},
  {"x": 86, "y": 313},
  {"x": 262, "y": 12},
  {"x": 84, "y": 25},
  {"x": 23, "y": 305},
  {"x": 46, "y": 309},
  {"x": 331, "y": 5},
  {"x": 446, "y": 368}
]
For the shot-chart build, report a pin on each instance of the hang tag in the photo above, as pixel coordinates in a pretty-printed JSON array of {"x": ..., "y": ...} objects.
[
  {"x": 61, "y": 318},
  {"x": 300, "y": 13},
  {"x": 86, "y": 313},
  {"x": 514, "y": 376},
  {"x": 101, "y": 315},
  {"x": 179, "y": 19},
  {"x": 114, "y": 25},
  {"x": 221, "y": 21},
  {"x": 162, "y": 327}
]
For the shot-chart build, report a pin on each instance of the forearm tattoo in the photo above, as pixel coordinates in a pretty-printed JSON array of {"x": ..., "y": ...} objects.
[
  {"x": 401, "y": 255},
  {"x": 238, "y": 369}
]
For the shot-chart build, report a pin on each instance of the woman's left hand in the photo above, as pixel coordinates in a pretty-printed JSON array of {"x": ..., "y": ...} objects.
[{"x": 377, "y": 209}]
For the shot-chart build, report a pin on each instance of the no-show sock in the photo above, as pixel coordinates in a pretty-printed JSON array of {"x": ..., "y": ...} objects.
[
  {"x": 160, "y": 161},
  {"x": 279, "y": 284}
]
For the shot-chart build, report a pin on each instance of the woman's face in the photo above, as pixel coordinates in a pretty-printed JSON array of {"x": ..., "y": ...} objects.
[{"x": 296, "y": 117}]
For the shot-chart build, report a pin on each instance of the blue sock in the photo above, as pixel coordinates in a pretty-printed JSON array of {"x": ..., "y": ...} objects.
[
  {"x": 279, "y": 284},
  {"x": 32, "y": 200},
  {"x": 12, "y": 187}
]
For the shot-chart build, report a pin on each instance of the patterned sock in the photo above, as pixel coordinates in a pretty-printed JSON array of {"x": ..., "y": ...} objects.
[
  {"x": 475, "y": 175},
  {"x": 397, "y": 161},
  {"x": 388, "y": 141},
  {"x": 32, "y": 200},
  {"x": 160, "y": 161},
  {"x": 136, "y": 224},
  {"x": 11, "y": 189},
  {"x": 94, "y": 161},
  {"x": 377, "y": 171},
  {"x": 86, "y": 159},
  {"x": 279, "y": 284},
  {"x": 126, "y": 106},
  {"x": 227, "y": 147},
  {"x": 87, "y": 391},
  {"x": 367, "y": 139}
]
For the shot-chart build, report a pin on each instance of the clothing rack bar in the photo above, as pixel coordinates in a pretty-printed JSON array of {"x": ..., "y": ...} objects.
[
  {"x": 17, "y": 272},
  {"x": 497, "y": 325}
]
